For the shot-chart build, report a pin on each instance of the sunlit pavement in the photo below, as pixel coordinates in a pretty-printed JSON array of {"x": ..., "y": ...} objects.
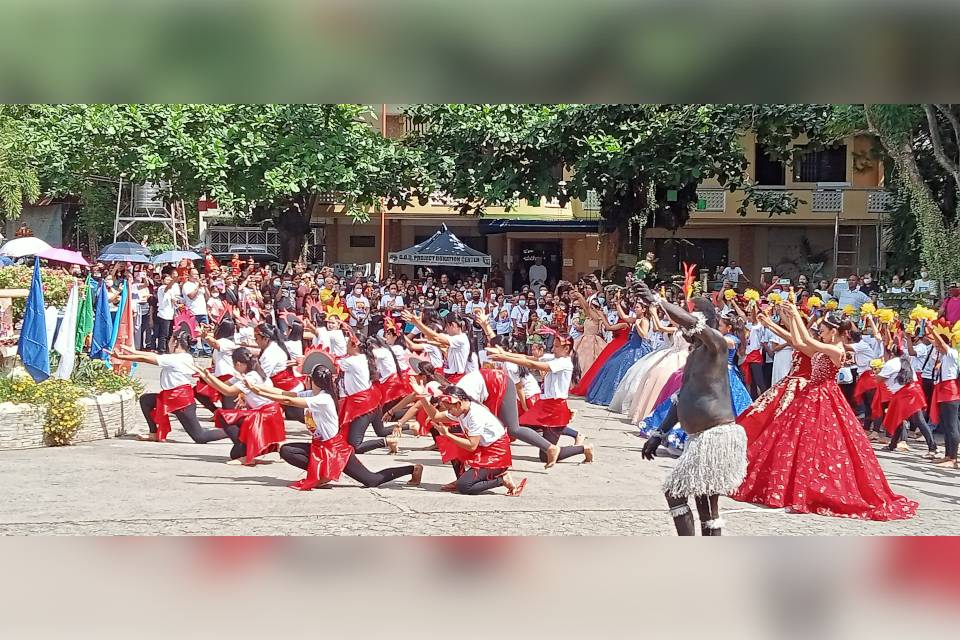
[{"x": 123, "y": 486}]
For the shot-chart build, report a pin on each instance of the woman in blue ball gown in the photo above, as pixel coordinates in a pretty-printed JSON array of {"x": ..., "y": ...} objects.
[
  {"x": 605, "y": 384},
  {"x": 739, "y": 395}
]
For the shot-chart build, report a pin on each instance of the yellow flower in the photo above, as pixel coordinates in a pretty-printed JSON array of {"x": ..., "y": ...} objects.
[
  {"x": 832, "y": 304},
  {"x": 876, "y": 363},
  {"x": 751, "y": 295},
  {"x": 886, "y": 315},
  {"x": 814, "y": 302},
  {"x": 868, "y": 309},
  {"x": 729, "y": 294},
  {"x": 848, "y": 310},
  {"x": 775, "y": 298}
]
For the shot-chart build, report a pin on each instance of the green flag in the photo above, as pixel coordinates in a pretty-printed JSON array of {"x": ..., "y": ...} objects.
[{"x": 85, "y": 317}]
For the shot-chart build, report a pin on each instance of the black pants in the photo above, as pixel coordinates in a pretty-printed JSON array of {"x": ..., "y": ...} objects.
[
  {"x": 927, "y": 385},
  {"x": 866, "y": 406},
  {"x": 358, "y": 428},
  {"x": 163, "y": 334},
  {"x": 758, "y": 379},
  {"x": 239, "y": 449},
  {"x": 474, "y": 481},
  {"x": 917, "y": 421},
  {"x": 226, "y": 402},
  {"x": 145, "y": 336},
  {"x": 187, "y": 417},
  {"x": 543, "y": 442},
  {"x": 298, "y": 454},
  {"x": 950, "y": 424}
]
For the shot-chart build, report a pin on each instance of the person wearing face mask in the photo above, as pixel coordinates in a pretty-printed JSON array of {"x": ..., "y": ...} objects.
[
  {"x": 167, "y": 294},
  {"x": 923, "y": 284},
  {"x": 354, "y": 297},
  {"x": 520, "y": 314},
  {"x": 391, "y": 299},
  {"x": 868, "y": 286}
]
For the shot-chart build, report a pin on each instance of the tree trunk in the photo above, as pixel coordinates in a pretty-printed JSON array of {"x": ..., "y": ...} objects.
[{"x": 292, "y": 229}]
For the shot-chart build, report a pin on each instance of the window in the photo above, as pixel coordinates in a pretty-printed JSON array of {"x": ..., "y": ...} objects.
[
  {"x": 363, "y": 241},
  {"x": 768, "y": 170},
  {"x": 825, "y": 165}
]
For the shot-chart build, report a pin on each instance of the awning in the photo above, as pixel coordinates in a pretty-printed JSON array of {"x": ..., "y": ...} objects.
[
  {"x": 575, "y": 226},
  {"x": 441, "y": 249}
]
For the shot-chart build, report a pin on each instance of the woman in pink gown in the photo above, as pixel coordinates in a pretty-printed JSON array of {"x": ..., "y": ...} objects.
[
  {"x": 591, "y": 344},
  {"x": 813, "y": 456},
  {"x": 621, "y": 333}
]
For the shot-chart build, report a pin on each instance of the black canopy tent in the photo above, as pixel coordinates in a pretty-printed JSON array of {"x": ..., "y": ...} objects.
[{"x": 442, "y": 249}]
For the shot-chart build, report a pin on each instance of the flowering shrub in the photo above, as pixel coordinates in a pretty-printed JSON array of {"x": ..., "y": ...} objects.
[
  {"x": 97, "y": 376},
  {"x": 56, "y": 286},
  {"x": 57, "y": 399}
]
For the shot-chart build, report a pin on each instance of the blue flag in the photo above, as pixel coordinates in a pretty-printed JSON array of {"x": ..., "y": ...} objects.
[
  {"x": 115, "y": 329},
  {"x": 32, "y": 348},
  {"x": 102, "y": 326}
]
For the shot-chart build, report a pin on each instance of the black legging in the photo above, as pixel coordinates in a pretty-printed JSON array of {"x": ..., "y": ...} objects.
[
  {"x": 917, "y": 421},
  {"x": 950, "y": 423},
  {"x": 298, "y": 454},
  {"x": 758, "y": 379},
  {"x": 359, "y": 427},
  {"x": 163, "y": 334},
  {"x": 869, "y": 421},
  {"x": 239, "y": 449},
  {"x": 187, "y": 417},
  {"x": 227, "y": 402},
  {"x": 474, "y": 481}
]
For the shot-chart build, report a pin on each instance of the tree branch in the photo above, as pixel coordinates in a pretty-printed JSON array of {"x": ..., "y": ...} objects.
[
  {"x": 938, "y": 151},
  {"x": 947, "y": 110}
]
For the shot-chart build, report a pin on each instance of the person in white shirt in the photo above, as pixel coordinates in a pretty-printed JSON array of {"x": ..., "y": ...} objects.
[
  {"x": 754, "y": 356},
  {"x": 167, "y": 295},
  {"x": 358, "y": 315},
  {"x": 906, "y": 404},
  {"x": 537, "y": 273},
  {"x": 223, "y": 345},
  {"x": 457, "y": 361},
  {"x": 329, "y": 454},
  {"x": 258, "y": 427},
  {"x": 480, "y": 452},
  {"x": 782, "y": 358},
  {"x": 176, "y": 391},
  {"x": 362, "y": 405},
  {"x": 550, "y": 413},
  {"x": 733, "y": 273},
  {"x": 924, "y": 285},
  {"x": 945, "y": 403},
  {"x": 391, "y": 299},
  {"x": 194, "y": 297},
  {"x": 866, "y": 348}
]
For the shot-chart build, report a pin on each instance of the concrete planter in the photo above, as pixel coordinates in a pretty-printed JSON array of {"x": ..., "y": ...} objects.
[{"x": 105, "y": 416}]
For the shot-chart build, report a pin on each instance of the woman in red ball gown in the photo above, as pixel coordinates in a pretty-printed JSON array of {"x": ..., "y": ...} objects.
[
  {"x": 814, "y": 456},
  {"x": 759, "y": 415}
]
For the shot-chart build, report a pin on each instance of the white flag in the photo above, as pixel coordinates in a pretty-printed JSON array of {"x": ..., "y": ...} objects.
[{"x": 65, "y": 344}]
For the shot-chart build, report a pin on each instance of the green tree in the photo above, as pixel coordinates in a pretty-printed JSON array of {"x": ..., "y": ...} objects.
[
  {"x": 643, "y": 161},
  {"x": 262, "y": 161},
  {"x": 18, "y": 178}
]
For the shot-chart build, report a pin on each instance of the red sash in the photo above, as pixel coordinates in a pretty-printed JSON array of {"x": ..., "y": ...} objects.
[
  {"x": 531, "y": 402},
  {"x": 551, "y": 413},
  {"x": 327, "y": 460},
  {"x": 454, "y": 378},
  {"x": 496, "y": 382},
  {"x": 943, "y": 391},
  {"x": 168, "y": 401},
  {"x": 358, "y": 404},
  {"x": 395, "y": 387},
  {"x": 866, "y": 381},
  {"x": 261, "y": 429},
  {"x": 496, "y": 455},
  {"x": 904, "y": 403},
  {"x": 205, "y": 390},
  {"x": 285, "y": 380},
  {"x": 754, "y": 357}
]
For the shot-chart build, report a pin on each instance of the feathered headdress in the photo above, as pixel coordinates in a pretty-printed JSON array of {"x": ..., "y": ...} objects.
[
  {"x": 337, "y": 311},
  {"x": 689, "y": 277}
]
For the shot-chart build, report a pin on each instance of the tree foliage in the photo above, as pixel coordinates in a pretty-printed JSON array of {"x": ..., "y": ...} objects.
[
  {"x": 643, "y": 161},
  {"x": 18, "y": 178}
]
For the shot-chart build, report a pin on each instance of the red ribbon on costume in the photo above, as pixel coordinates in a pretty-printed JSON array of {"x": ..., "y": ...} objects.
[
  {"x": 904, "y": 403},
  {"x": 754, "y": 357},
  {"x": 208, "y": 391},
  {"x": 261, "y": 429},
  {"x": 943, "y": 391},
  {"x": 327, "y": 460},
  {"x": 285, "y": 380},
  {"x": 358, "y": 404},
  {"x": 169, "y": 401}
]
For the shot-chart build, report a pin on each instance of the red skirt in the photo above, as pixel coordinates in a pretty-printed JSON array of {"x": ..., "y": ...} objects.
[
  {"x": 395, "y": 387},
  {"x": 904, "y": 403},
  {"x": 943, "y": 391},
  {"x": 531, "y": 403},
  {"x": 205, "y": 390},
  {"x": 754, "y": 357},
  {"x": 327, "y": 460},
  {"x": 493, "y": 456},
  {"x": 453, "y": 378},
  {"x": 551, "y": 413},
  {"x": 867, "y": 381},
  {"x": 286, "y": 380},
  {"x": 168, "y": 401},
  {"x": 261, "y": 430},
  {"x": 496, "y": 382},
  {"x": 358, "y": 404}
]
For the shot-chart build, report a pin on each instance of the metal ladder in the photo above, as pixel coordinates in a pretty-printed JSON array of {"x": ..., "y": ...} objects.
[{"x": 846, "y": 249}]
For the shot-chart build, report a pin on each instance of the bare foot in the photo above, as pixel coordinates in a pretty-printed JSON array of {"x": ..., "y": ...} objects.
[
  {"x": 946, "y": 463},
  {"x": 235, "y": 461},
  {"x": 587, "y": 453},
  {"x": 393, "y": 444},
  {"x": 903, "y": 446},
  {"x": 579, "y": 439},
  {"x": 552, "y": 454},
  {"x": 513, "y": 489},
  {"x": 150, "y": 437},
  {"x": 449, "y": 487},
  {"x": 417, "y": 474}
]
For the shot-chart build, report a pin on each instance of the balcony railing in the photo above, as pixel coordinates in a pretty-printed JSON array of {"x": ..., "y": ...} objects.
[
  {"x": 827, "y": 200},
  {"x": 880, "y": 201},
  {"x": 713, "y": 199}
]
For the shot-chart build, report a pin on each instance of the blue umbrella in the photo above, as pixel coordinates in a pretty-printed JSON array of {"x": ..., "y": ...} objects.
[
  {"x": 123, "y": 257},
  {"x": 172, "y": 257},
  {"x": 126, "y": 248}
]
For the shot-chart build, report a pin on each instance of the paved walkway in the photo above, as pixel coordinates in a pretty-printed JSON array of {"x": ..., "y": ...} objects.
[{"x": 128, "y": 487}]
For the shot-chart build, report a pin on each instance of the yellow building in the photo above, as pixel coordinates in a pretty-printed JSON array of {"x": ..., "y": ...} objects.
[{"x": 842, "y": 203}]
